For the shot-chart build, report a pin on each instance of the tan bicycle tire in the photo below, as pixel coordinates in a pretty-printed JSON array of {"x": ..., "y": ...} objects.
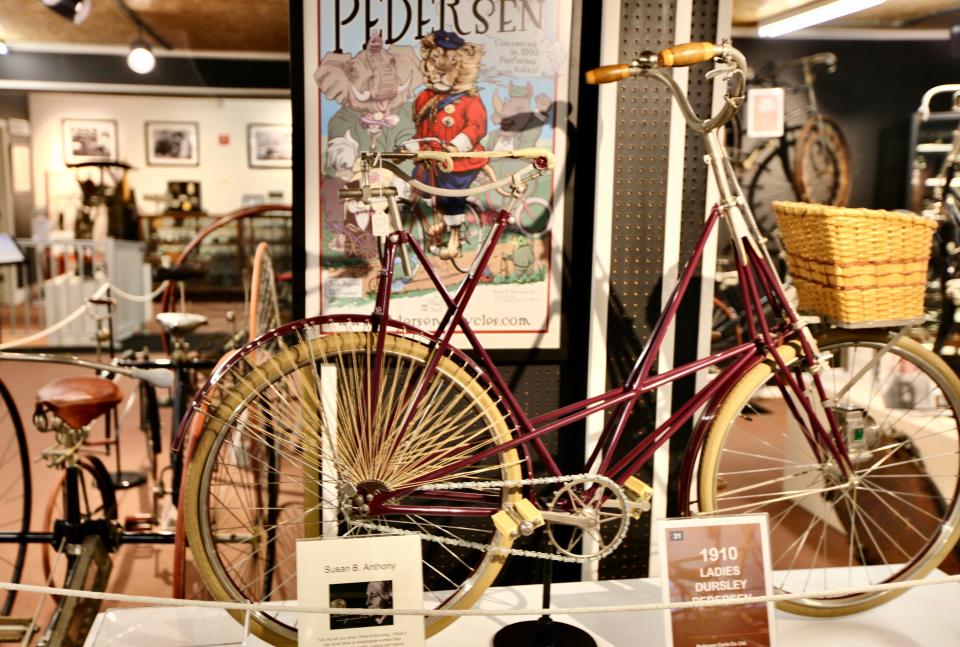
[
  {"x": 742, "y": 393},
  {"x": 262, "y": 278},
  {"x": 805, "y": 139},
  {"x": 341, "y": 342}
]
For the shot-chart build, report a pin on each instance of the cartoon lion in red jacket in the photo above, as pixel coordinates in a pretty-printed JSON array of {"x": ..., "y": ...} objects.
[{"x": 450, "y": 116}]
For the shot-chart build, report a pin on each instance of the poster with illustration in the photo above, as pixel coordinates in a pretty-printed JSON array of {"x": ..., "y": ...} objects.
[{"x": 464, "y": 76}]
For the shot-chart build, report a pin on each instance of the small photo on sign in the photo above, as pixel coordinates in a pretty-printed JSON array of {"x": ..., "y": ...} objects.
[{"x": 376, "y": 594}]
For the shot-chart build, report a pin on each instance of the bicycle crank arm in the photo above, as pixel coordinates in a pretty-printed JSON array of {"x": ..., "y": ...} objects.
[{"x": 582, "y": 521}]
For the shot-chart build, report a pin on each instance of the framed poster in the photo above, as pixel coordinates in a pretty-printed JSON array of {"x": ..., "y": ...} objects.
[
  {"x": 370, "y": 84},
  {"x": 89, "y": 140},
  {"x": 173, "y": 143},
  {"x": 270, "y": 145}
]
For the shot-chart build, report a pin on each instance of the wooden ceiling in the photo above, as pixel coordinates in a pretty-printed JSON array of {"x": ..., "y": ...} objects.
[
  {"x": 224, "y": 25},
  {"x": 261, "y": 25}
]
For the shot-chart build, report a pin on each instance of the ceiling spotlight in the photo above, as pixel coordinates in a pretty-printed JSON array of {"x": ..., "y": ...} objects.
[
  {"x": 4, "y": 50},
  {"x": 141, "y": 59},
  {"x": 73, "y": 10}
]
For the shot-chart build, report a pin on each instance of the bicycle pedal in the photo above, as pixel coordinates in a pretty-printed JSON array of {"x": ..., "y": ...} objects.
[
  {"x": 639, "y": 495},
  {"x": 142, "y": 522},
  {"x": 518, "y": 519},
  {"x": 15, "y": 629}
]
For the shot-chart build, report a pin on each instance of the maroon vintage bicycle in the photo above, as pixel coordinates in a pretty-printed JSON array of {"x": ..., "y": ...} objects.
[{"x": 362, "y": 424}]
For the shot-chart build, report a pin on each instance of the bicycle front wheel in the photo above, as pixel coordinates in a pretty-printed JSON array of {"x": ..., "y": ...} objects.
[
  {"x": 16, "y": 487},
  {"x": 895, "y": 518},
  {"x": 821, "y": 166},
  {"x": 312, "y": 404}
]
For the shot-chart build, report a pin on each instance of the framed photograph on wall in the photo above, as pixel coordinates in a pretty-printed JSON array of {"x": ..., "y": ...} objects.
[
  {"x": 270, "y": 145},
  {"x": 173, "y": 143},
  {"x": 89, "y": 140}
]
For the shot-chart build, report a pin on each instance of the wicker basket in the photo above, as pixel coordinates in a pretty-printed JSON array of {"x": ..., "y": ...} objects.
[{"x": 856, "y": 266}]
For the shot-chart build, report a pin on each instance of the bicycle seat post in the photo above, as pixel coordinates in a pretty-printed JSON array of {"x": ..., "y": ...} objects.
[{"x": 103, "y": 333}]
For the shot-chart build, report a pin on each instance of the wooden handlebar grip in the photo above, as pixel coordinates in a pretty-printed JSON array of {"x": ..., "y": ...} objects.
[
  {"x": 686, "y": 54},
  {"x": 608, "y": 73}
]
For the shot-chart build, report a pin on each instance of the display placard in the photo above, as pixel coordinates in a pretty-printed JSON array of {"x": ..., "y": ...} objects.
[
  {"x": 711, "y": 558},
  {"x": 765, "y": 108},
  {"x": 380, "y": 572}
]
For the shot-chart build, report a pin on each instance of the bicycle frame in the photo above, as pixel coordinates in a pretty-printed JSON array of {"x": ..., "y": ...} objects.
[{"x": 757, "y": 281}]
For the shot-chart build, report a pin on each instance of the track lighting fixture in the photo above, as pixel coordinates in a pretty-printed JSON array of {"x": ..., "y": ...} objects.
[
  {"x": 141, "y": 59},
  {"x": 811, "y": 14},
  {"x": 75, "y": 11}
]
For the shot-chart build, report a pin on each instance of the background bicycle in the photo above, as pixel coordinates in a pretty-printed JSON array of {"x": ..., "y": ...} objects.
[{"x": 809, "y": 162}]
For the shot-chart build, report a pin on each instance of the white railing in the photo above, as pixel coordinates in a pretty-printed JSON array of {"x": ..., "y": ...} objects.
[{"x": 57, "y": 278}]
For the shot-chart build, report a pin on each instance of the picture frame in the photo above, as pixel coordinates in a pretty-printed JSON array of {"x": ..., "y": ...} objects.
[
  {"x": 172, "y": 143},
  {"x": 533, "y": 75},
  {"x": 270, "y": 145},
  {"x": 89, "y": 140}
]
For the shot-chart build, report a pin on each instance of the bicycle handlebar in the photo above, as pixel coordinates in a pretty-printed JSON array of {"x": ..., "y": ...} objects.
[
  {"x": 542, "y": 158},
  {"x": 159, "y": 377},
  {"x": 924, "y": 108},
  {"x": 827, "y": 59},
  {"x": 681, "y": 56},
  {"x": 686, "y": 54}
]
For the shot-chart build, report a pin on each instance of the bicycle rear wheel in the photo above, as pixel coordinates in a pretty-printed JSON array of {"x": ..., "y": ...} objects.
[
  {"x": 15, "y": 485},
  {"x": 311, "y": 402},
  {"x": 821, "y": 165},
  {"x": 895, "y": 519}
]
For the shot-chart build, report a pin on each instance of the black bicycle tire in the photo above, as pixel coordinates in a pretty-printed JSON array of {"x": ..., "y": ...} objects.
[
  {"x": 21, "y": 437},
  {"x": 108, "y": 498}
]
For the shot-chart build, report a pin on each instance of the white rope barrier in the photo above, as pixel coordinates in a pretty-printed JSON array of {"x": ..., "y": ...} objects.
[
  {"x": 66, "y": 321},
  {"x": 142, "y": 298},
  {"x": 76, "y": 314},
  {"x": 275, "y": 607}
]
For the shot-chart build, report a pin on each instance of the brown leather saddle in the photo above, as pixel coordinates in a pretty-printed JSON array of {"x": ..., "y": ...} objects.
[{"x": 79, "y": 400}]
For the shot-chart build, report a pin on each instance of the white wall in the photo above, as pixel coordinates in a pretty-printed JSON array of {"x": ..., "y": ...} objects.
[{"x": 223, "y": 172}]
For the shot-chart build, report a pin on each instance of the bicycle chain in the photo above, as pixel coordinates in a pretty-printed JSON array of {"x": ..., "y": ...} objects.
[{"x": 500, "y": 550}]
